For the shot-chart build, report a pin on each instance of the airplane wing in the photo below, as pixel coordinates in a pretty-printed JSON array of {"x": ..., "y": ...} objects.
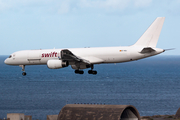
[{"x": 69, "y": 56}]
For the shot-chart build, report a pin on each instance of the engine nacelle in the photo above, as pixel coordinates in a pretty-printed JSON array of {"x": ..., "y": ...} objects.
[{"x": 56, "y": 64}]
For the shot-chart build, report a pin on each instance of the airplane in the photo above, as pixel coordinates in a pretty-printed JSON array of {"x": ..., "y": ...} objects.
[{"x": 83, "y": 58}]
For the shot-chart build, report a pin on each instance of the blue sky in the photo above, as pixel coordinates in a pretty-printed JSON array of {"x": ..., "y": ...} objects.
[{"x": 46, "y": 24}]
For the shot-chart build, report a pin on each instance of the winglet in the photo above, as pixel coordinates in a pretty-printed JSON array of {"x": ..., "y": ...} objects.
[{"x": 151, "y": 36}]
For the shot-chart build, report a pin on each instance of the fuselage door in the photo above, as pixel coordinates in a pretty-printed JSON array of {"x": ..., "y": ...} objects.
[{"x": 34, "y": 56}]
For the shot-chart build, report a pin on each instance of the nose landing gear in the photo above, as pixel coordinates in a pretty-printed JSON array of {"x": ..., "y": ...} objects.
[
  {"x": 24, "y": 73},
  {"x": 23, "y": 69}
]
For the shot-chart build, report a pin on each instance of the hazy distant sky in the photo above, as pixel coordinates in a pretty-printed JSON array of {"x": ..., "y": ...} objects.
[{"x": 45, "y": 24}]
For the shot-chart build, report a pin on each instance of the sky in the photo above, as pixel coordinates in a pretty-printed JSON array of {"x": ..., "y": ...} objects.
[{"x": 48, "y": 24}]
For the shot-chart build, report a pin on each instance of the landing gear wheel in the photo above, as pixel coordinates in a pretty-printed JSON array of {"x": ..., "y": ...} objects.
[
  {"x": 79, "y": 72},
  {"x": 92, "y": 72},
  {"x": 76, "y": 71},
  {"x": 24, "y": 73}
]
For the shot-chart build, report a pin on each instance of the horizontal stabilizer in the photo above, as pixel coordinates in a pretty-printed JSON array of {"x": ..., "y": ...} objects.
[{"x": 147, "y": 50}]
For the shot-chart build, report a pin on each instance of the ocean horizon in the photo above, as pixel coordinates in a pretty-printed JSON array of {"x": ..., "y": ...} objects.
[{"x": 152, "y": 85}]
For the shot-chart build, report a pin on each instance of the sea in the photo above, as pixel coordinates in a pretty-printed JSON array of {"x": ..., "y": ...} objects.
[{"x": 152, "y": 85}]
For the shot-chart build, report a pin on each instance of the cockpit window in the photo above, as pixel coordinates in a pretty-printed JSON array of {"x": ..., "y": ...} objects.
[{"x": 10, "y": 56}]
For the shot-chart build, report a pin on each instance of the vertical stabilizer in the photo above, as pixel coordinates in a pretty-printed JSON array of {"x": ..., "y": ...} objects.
[{"x": 151, "y": 36}]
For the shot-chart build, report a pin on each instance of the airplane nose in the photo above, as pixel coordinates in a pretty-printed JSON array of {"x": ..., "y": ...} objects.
[{"x": 5, "y": 61}]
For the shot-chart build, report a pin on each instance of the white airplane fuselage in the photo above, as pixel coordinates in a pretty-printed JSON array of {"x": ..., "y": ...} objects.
[{"x": 103, "y": 54}]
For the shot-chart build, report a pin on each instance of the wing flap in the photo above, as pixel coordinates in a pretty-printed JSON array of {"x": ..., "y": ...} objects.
[{"x": 93, "y": 60}]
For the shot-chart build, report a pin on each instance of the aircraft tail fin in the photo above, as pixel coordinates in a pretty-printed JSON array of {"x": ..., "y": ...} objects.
[{"x": 151, "y": 36}]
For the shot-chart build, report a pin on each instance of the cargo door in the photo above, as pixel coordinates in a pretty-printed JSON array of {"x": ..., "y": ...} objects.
[{"x": 34, "y": 57}]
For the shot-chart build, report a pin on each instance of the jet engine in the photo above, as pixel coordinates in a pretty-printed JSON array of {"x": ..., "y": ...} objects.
[{"x": 56, "y": 64}]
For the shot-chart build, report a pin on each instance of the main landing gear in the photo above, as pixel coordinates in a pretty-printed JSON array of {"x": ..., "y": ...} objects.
[
  {"x": 90, "y": 71},
  {"x": 23, "y": 69},
  {"x": 79, "y": 72},
  {"x": 82, "y": 72}
]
